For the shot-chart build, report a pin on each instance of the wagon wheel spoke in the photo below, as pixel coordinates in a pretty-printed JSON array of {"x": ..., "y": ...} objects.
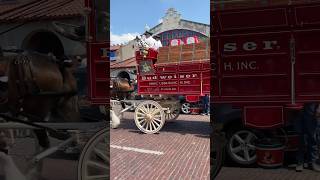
[
  {"x": 97, "y": 177},
  {"x": 144, "y": 110},
  {"x": 142, "y": 120},
  {"x": 101, "y": 154},
  {"x": 156, "y": 112},
  {"x": 97, "y": 165},
  {"x": 154, "y": 127},
  {"x": 141, "y": 113},
  {"x": 156, "y": 123},
  {"x": 144, "y": 123},
  {"x": 157, "y": 119},
  {"x": 147, "y": 127},
  {"x": 147, "y": 108}
]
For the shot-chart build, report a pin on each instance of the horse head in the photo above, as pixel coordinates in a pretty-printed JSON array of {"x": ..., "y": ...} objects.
[{"x": 122, "y": 85}]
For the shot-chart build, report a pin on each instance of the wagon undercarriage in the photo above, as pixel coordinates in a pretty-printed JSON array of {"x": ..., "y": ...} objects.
[
  {"x": 150, "y": 115},
  {"x": 88, "y": 140}
]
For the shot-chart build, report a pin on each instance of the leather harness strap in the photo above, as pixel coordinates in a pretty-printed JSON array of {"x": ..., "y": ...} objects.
[{"x": 25, "y": 82}]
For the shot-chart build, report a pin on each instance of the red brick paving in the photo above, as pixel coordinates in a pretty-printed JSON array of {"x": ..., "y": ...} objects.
[
  {"x": 184, "y": 142},
  {"x": 230, "y": 173}
]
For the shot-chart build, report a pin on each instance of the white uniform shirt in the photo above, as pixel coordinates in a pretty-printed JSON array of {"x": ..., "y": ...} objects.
[
  {"x": 158, "y": 44},
  {"x": 151, "y": 42}
]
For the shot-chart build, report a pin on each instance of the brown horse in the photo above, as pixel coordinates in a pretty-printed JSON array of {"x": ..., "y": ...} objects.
[
  {"x": 38, "y": 87},
  {"x": 121, "y": 88}
]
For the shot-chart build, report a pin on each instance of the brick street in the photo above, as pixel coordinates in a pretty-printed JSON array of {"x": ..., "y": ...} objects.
[
  {"x": 180, "y": 151},
  {"x": 232, "y": 173}
]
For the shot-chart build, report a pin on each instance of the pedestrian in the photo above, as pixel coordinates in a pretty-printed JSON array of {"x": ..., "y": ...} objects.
[
  {"x": 205, "y": 103},
  {"x": 306, "y": 125}
]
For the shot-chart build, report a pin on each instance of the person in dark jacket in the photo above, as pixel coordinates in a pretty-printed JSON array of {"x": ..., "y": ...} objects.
[
  {"x": 205, "y": 102},
  {"x": 306, "y": 126}
]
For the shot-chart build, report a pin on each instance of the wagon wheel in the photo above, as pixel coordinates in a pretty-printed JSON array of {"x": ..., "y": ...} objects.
[
  {"x": 149, "y": 117},
  {"x": 174, "y": 112},
  {"x": 94, "y": 159}
]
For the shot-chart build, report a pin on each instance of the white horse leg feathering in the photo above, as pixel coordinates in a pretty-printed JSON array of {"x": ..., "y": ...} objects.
[{"x": 115, "y": 120}]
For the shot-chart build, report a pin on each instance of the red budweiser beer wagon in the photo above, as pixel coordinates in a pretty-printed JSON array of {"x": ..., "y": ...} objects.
[
  {"x": 265, "y": 61},
  {"x": 174, "y": 70}
]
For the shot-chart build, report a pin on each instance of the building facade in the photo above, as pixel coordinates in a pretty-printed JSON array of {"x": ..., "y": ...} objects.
[{"x": 174, "y": 27}]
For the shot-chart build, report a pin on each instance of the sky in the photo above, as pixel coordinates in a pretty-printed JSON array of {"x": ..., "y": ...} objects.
[{"x": 128, "y": 18}]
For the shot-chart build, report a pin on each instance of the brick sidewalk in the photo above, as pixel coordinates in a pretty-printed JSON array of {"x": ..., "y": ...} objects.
[
  {"x": 185, "y": 145},
  {"x": 231, "y": 173}
]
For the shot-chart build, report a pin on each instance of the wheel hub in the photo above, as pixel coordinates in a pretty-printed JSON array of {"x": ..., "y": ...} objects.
[{"x": 149, "y": 117}]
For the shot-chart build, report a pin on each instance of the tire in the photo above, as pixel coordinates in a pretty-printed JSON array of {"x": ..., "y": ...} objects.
[
  {"x": 217, "y": 155},
  {"x": 240, "y": 146},
  {"x": 185, "y": 108}
]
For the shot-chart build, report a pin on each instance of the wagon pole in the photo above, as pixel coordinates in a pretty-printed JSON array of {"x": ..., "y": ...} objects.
[{"x": 55, "y": 133}]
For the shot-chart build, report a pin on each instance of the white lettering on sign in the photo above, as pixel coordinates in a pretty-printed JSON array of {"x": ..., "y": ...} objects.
[
  {"x": 250, "y": 46},
  {"x": 268, "y": 44},
  {"x": 240, "y": 66},
  {"x": 168, "y": 83},
  {"x": 168, "y": 89},
  {"x": 185, "y": 82},
  {"x": 153, "y": 83},
  {"x": 144, "y": 78},
  {"x": 193, "y": 75},
  {"x": 168, "y": 76}
]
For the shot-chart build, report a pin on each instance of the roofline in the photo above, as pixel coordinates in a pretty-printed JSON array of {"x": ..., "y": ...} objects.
[
  {"x": 155, "y": 26},
  {"x": 122, "y": 67},
  {"x": 195, "y": 22},
  {"x": 116, "y": 63},
  {"x": 208, "y": 25},
  {"x": 29, "y": 20}
]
